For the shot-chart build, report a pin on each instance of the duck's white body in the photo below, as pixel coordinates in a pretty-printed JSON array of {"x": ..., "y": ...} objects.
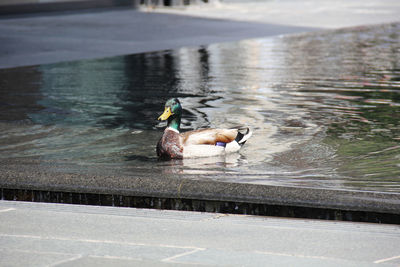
[{"x": 201, "y": 143}]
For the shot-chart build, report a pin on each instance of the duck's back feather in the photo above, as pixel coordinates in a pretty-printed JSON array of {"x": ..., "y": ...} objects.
[{"x": 209, "y": 136}]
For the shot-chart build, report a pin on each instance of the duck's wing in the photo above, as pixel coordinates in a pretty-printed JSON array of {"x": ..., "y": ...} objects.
[{"x": 209, "y": 136}]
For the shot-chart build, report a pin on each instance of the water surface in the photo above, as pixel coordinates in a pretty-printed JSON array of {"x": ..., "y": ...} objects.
[{"x": 324, "y": 108}]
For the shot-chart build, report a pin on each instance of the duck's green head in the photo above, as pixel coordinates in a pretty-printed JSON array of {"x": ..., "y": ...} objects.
[{"x": 172, "y": 113}]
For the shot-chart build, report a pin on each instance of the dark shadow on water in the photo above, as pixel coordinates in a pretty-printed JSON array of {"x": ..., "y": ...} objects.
[{"x": 140, "y": 158}]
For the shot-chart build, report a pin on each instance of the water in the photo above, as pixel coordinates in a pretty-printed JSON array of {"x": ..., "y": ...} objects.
[{"x": 324, "y": 108}]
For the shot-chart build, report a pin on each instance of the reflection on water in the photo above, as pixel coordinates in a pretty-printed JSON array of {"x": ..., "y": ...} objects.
[{"x": 324, "y": 108}]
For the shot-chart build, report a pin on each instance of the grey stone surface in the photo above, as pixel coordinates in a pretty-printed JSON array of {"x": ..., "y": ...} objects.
[
  {"x": 65, "y": 235},
  {"x": 50, "y": 38},
  {"x": 311, "y": 13}
]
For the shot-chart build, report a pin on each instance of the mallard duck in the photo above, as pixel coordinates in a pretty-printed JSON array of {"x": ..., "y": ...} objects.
[{"x": 197, "y": 143}]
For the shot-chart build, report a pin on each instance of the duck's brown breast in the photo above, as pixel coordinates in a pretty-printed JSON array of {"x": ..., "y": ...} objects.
[{"x": 169, "y": 146}]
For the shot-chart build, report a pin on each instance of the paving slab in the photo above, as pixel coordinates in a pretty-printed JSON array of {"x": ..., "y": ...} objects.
[{"x": 75, "y": 235}]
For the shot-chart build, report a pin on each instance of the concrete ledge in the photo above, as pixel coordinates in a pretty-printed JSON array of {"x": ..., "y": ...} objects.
[{"x": 177, "y": 187}]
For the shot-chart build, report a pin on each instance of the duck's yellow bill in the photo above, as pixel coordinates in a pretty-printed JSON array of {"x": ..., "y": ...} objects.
[{"x": 166, "y": 114}]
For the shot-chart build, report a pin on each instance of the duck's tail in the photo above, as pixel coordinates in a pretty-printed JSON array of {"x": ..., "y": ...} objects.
[{"x": 244, "y": 133}]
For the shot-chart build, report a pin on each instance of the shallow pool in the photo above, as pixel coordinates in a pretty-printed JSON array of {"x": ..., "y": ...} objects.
[{"x": 324, "y": 108}]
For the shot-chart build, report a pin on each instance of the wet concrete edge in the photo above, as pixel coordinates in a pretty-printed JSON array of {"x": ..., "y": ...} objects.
[{"x": 209, "y": 190}]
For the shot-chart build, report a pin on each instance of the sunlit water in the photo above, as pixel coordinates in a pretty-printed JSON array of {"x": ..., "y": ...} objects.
[{"x": 324, "y": 108}]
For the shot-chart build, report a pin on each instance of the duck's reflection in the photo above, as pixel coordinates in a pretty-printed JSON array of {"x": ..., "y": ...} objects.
[{"x": 207, "y": 165}]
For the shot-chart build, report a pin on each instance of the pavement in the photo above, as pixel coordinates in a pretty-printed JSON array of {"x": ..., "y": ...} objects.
[
  {"x": 42, "y": 38},
  {"x": 56, "y": 37},
  {"x": 328, "y": 14},
  {"x": 42, "y": 234}
]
